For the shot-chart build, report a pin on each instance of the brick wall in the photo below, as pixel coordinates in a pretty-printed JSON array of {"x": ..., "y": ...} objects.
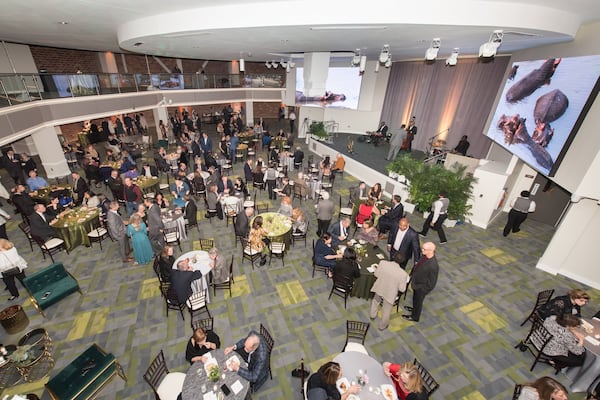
[
  {"x": 266, "y": 110},
  {"x": 65, "y": 61}
]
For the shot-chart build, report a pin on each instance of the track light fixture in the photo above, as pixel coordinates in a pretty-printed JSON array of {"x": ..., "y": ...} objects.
[
  {"x": 388, "y": 63},
  {"x": 268, "y": 64},
  {"x": 384, "y": 56},
  {"x": 432, "y": 52},
  {"x": 489, "y": 48},
  {"x": 242, "y": 65},
  {"x": 453, "y": 59},
  {"x": 355, "y": 62}
]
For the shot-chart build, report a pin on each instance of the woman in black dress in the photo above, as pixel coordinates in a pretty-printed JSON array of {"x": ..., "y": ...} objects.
[
  {"x": 201, "y": 343},
  {"x": 326, "y": 377}
]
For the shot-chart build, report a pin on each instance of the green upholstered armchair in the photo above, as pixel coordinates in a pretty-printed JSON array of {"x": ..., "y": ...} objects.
[
  {"x": 49, "y": 286},
  {"x": 85, "y": 376}
]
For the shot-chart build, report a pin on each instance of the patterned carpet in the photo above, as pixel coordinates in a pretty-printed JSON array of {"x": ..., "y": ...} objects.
[{"x": 486, "y": 287}]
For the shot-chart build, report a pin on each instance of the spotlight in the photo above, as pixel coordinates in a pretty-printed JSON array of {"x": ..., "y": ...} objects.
[
  {"x": 388, "y": 63},
  {"x": 292, "y": 64},
  {"x": 453, "y": 59},
  {"x": 274, "y": 64},
  {"x": 242, "y": 65},
  {"x": 489, "y": 48},
  {"x": 377, "y": 67},
  {"x": 283, "y": 64},
  {"x": 363, "y": 63},
  {"x": 432, "y": 52},
  {"x": 288, "y": 68},
  {"x": 384, "y": 56},
  {"x": 268, "y": 64}
]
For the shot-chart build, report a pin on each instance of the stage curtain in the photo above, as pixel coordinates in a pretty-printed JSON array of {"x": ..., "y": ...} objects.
[{"x": 459, "y": 98}]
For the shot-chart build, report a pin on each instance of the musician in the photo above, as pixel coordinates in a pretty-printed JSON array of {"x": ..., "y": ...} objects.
[
  {"x": 411, "y": 132},
  {"x": 462, "y": 146},
  {"x": 380, "y": 133}
]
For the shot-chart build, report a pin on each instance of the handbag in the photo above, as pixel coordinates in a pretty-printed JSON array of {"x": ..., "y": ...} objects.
[{"x": 11, "y": 272}]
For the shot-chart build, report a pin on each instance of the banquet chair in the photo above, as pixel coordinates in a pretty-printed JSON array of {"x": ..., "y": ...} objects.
[
  {"x": 517, "y": 392},
  {"x": 535, "y": 342},
  {"x": 357, "y": 332},
  {"x": 206, "y": 324},
  {"x": 210, "y": 213},
  {"x": 328, "y": 186},
  {"x": 264, "y": 333},
  {"x": 206, "y": 244},
  {"x": 342, "y": 286},
  {"x": 542, "y": 298},
  {"x": 399, "y": 297},
  {"x": 429, "y": 383},
  {"x": 226, "y": 169},
  {"x": 171, "y": 299},
  {"x": 171, "y": 236},
  {"x": 51, "y": 246},
  {"x": 227, "y": 283},
  {"x": 345, "y": 211},
  {"x": 100, "y": 233},
  {"x": 166, "y": 385},
  {"x": 300, "y": 236},
  {"x": 277, "y": 249},
  {"x": 230, "y": 212},
  {"x": 315, "y": 266},
  {"x": 156, "y": 267},
  {"x": 248, "y": 253},
  {"x": 196, "y": 304},
  {"x": 27, "y": 231},
  {"x": 237, "y": 237}
]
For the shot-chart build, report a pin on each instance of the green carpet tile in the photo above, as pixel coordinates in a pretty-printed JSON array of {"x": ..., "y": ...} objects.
[{"x": 487, "y": 285}]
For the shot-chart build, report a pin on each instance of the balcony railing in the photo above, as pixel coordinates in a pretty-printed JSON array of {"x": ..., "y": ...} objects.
[{"x": 22, "y": 88}]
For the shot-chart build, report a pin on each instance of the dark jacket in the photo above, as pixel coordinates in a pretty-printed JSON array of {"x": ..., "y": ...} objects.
[
  {"x": 190, "y": 212},
  {"x": 182, "y": 283},
  {"x": 424, "y": 276},
  {"x": 41, "y": 228},
  {"x": 193, "y": 350},
  {"x": 409, "y": 247}
]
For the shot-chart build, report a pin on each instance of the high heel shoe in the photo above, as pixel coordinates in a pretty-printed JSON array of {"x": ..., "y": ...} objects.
[{"x": 11, "y": 298}]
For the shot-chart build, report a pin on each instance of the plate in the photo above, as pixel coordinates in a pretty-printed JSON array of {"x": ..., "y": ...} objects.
[
  {"x": 362, "y": 241},
  {"x": 210, "y": 364},
  {"x": 388, "y": 392},
  {"x": 342, "y": 385},
  {"x": 230, "y": 360},
  {"x": 352, "y": 397}
]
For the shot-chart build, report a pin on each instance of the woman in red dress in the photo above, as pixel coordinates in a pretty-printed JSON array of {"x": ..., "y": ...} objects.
[{"x": 365, "y": 210}]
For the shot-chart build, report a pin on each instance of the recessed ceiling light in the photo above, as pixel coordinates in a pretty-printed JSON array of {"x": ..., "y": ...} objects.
[{"x": 63, "y": 22}]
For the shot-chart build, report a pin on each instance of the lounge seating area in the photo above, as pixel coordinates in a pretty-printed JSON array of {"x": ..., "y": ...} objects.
[{"x": 50, "y": 285}]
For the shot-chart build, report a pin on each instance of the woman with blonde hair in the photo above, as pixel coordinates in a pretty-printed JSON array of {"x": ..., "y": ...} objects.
[
  {"x": 407, "y": 380},
  {"x": 142, "y": 249},
  {"x": 12, "y": 266},
  {"x": 544, "y": 388}
]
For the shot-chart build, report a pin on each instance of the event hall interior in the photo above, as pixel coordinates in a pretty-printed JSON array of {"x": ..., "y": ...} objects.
[{"x": 69, "y": 66}]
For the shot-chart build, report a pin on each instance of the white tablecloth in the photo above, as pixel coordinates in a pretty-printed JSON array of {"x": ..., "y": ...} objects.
[
  {"x": 582, "y": 377},
  {"x": 175, "y": 220},
  {"x": 199, "y": 261},
  {"x": 231, "y": 203},
  {"x": 352, "y": 361}
]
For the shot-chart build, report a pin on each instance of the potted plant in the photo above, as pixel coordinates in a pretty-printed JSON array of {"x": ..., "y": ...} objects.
[
  {"x": 426, "y": 181},
  {"x": 317, "y": 129}
]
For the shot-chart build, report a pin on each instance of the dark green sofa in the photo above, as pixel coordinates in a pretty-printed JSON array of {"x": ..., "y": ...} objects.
[
  {"x": 85, "y": 376},
  {"x": 49, "y": 286}
]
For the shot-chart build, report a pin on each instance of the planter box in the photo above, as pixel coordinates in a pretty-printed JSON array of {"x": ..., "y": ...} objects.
[
  {"x": 450, "y": 223},
  {"x": 408, "y": 207}
]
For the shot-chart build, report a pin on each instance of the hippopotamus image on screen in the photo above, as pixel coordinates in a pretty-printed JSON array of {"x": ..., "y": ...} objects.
[
  {"x": 532, "y": 81},
  {"x": 329, "y": 97}
]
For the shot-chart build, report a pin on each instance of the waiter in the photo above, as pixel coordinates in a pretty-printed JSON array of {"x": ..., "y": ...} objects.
[{"x": 520, "y": 207}]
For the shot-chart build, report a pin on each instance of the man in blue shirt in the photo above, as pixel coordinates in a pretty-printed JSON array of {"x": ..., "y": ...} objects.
[
  {"x": 35, "y": 182},
  {"x": 233, "y": 145},
  {"x": 254, "y": 351}
]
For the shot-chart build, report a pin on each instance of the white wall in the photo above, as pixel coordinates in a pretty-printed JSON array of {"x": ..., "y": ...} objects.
[{"x": 20, "y": 56}]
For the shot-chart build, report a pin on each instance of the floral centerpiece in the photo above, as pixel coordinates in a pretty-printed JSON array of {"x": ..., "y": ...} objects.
[
  {"x": 214, "y": 373},
  {"x": 362, "y": 378}
]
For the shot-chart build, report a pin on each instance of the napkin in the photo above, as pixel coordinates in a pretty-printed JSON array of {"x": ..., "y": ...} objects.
[
  {"x": 237, "y": 387},
  {"x": 380, "y": 256},
  {"x": 592, "y": 340},
  {"x": 371, "y": 269},
  {"x": 210, "y": 396}
]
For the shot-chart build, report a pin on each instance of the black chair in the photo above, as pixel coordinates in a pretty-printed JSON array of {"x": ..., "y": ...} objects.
[
  {"x": 27, "y": 231},
  {"x": 277, "y": 250},
  {"x": 542, "y": 298},
  {"x": 227, "y": 283},
  {"x": 230, "y": 212},
  {"x": 429, "y": 384},
  {"x": 517, "y": 392},
  {"x": 171, "y": 299},
  {"x": 197, "y": 305},
  {"x": 51, "y": 246},
  {"x": 171, "y": 236},
  {"x": 210, "y": 213},
  {"x": 237, "y": 237},
  {"x": 206, "y": 244},
  {"x": 157, "y": 373},
  {"x": 99, "y": 234},
  {"x": 206, "y": 324},
  {"x": 269, "y": 343},
  {"x": 535, "y": 342},
  {"x": 156, "y": 267},
  {"x": 249, "y": 254},
  {"x": 317, "y": 267},
  {"x": 356, "y": 332},
  {"x": 298, "y": 192},
  {"x": 342, "y": 286},
  {"x": 300, "y": 236}
]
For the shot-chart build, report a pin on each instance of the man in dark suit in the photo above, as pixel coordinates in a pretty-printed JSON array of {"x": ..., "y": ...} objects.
[
  {"x": 80, "y": 186},
  {"x": 242, "y": 222},
  {"x": 357, "y": 193},
  {"x": 405, "y": 240},
  {"x": 205, "y": 143},
  {"x": 298, "y": 157},
  {"x": 155, "y": 226},
  {"x": 115, "y": 184},
  {"x": 254, "y": 351},
  {"x": 149, "y": 170},
  {"x": 339, "y": 231},
  {"x": 196, "y": 148},
  {"x": 12, "y": 164},
  {"x": 23, "y": 201},
  {"x": 224, "y": 185},
  {"x": 118, "y": 231},
  {"x": 182, "y": 278},
  {"x": 190, "y": 211},
  {"x": 423, "y": 279},
  {"x": 391, "y": 217},
  {"x": 40, "y": 223}
]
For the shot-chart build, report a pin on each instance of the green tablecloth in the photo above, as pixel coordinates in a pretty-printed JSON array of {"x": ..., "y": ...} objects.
[
  {"x": 362, "y": 286},
  {"x": 43, "y": 195},
  {"x": 74, "y": 226},
  {"x": 279, "y": 227},
  {"x": 146, "y": 184},
  {"x": 83, "y": 139}
]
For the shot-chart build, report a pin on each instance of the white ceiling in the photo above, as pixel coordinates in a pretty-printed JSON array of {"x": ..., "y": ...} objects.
[{"x": 226, "y": 29}]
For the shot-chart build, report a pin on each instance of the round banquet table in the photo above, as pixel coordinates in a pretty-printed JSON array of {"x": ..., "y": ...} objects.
[
  {"x": 582, "y": 377},
  {"x": 146, "y": 184},
  {"x": 43, "y": 195},
  {"x": 74, "y": 227},
  {"x": 243, "y": 148},
  {"x": 174, "y": 218},
  {"x": 199, "y": 261},
  {"x": 279, "y": 227},
  {"x": 196, "y": 377},
  {"x": 364, "y": 283},
  {"x": 352, "y": 361},
  {"x": 231, "y": 203}
]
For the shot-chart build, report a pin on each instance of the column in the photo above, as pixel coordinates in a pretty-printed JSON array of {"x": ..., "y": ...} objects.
[
  {"x": 316, "y": 68},
  {"x": 160, "y": 113},
  {"x": 50, "y": 151},
  {"x": 249, "y": 106}
]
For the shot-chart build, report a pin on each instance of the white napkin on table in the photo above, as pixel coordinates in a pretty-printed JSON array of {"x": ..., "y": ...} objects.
[{"x": 237, "y": 387}]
